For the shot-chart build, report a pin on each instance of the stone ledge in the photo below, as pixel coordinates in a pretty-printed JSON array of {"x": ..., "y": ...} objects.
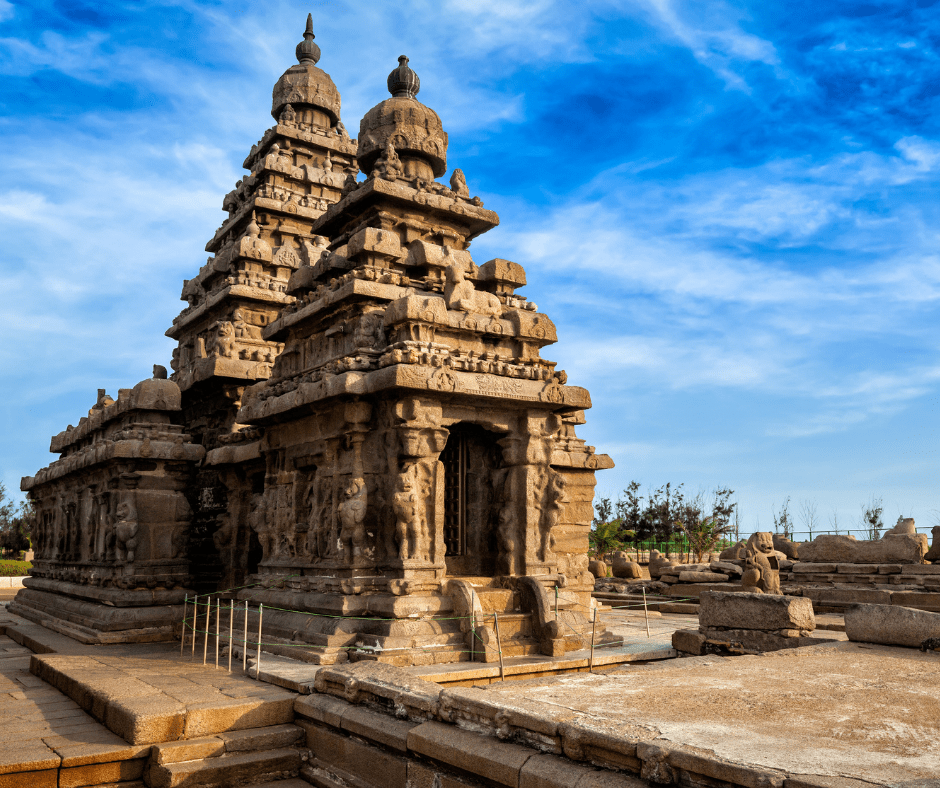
[{"x": 143, "y": 714}]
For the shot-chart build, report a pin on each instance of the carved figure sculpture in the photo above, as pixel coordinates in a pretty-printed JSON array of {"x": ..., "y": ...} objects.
[
  {"x": 785, "y": 546},
  {"x": 409, "y": 528},
  {"x": 352, "y": 515},
  {"x": 388, "y": 166},
  {"x": 506, "y": 531},
  {"x": 224, "y": 341},
  {"x": 550, "y": 514},
  {"x": 125, "y": 532},
  {"x": 733, "y": 553},
  {"x": 242, "y": 329},
  {"x": 459, "y": 183},
  {"x": 257, "y": 521},
  {"x": 933, "y": 554},
  {"x": 623, "y": 567},
  {"x": 460, "y": 294},
  {"x": 288, "y": 115},
  {"x": 762, "y": 569},
  {"x": 370, "y": 333},
  {"x": 905, "y": 525},
  {"x": 657, "y": 563},
  {"x": 598, "y": 569}
]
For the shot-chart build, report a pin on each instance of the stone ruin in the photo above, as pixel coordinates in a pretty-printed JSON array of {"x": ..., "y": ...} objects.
[{"x": 359, "y": 424}]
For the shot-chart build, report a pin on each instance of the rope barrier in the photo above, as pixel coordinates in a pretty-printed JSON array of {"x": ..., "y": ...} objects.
[{"x": 478, "y": 645}]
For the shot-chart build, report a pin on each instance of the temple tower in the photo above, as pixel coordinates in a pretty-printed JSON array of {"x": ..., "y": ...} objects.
[
  {"x": 420, "y": 454},
  {"x": 300, "y": 167}
]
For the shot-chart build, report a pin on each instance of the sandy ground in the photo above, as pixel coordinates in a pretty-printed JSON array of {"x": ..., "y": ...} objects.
[{"x": 847, "y": 709}]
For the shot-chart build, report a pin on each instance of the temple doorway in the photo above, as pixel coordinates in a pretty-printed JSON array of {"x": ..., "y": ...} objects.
[{"x": 471, "y": 459}]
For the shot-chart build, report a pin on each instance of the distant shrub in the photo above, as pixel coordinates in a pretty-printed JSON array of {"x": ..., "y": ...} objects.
[{"x": 15, "y": 568}]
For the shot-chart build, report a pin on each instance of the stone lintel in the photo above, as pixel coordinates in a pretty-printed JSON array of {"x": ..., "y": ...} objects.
[
  {"x": 476, "y": 220},
  {"x": 527, "y": 393},
  {"x": 248, "y": 293}
]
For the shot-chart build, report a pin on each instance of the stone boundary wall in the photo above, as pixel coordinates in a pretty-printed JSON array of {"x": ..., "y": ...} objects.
[
  {"x": 377, "y": 726},
  {"x": 12, "y": 582}
]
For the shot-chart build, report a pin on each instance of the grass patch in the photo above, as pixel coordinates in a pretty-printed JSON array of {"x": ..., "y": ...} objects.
[{"x": 15, "y": 568}]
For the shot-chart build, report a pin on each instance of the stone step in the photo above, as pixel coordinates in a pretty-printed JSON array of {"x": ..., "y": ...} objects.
[
  {"x": 271, "y": 737},
  {"x": 227, "y": 770},
  {"x": 496, "y": 600}
]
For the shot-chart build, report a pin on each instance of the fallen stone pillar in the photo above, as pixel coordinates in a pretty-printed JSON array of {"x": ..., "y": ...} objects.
[{"x": 892, "y": 625}]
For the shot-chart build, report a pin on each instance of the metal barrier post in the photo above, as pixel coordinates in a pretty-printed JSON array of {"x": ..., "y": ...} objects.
[
  {"x": 205, "y": 642},
  {"x": 183, "y": 632},
  {"x": 646, "y": 612},
  {"x": 245, "y": 643},
  {"x": 231, "y": 628},
  {"x": 218, "y": 631},
  {"x": 593, "y": 635},
  {"x": 258, "y": 661},
  {"x": 195, "y": 622},
  {"x": 499, "y": 647}
]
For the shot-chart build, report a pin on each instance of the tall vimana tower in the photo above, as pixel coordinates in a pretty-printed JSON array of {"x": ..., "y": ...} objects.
[{"x": 360, "y": 430}]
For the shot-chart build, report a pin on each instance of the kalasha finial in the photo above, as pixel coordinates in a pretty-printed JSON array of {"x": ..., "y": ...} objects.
[
  {"x": 403, "y": 82},
  {"x": 308, "y": 53}
]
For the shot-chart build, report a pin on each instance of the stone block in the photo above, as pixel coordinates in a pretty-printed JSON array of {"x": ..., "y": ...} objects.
[
  {"x": 549, "y": 771},
  {"x": 841, "y": 597},
  {"x": 608, "y": 779},
  {"x": 921, "y": 569},
  {"x": 322, "y": 708},
  {"x": 814, "y": 568},
  {"x": 378, "y": 727},
  {"x": 498, "y": 761},
  {"x": 891, "y": 625},
  {"x": 689, "y": 641},
  {"x": 917, "y": 599},
  {"x": 204, "y": 719},
  {"x": 828, "y": 781},
  {"x": 702, "y": 577},
  {"x": 146, "y": 720},
  {"x": 178, "y": 751},
  {"x": 422, "y": 775},
  {"x": 755, "y": 640},
  {"x": 892, "y": 549},
  {"x": 715, "y": 768},
  {"x": 857, "y": 569},
  {"x": 602, "y": 744},
  {"x": 356, "y": 758},
  {"x": 43, "y": 778},
  {"x": 271, "y": 738},
  {"x": 755, "y": 611},
  {"x": 726, "y": 568},
  {"x": 371, "y": 239},
  {"x": 101, "y": 773},
  {"x": 889, "y": 569}
]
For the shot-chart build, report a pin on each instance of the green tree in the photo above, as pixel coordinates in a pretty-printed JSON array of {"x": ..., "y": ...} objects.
[
  {"x": 604, "y": 538},
  {"x": 871, "y": 518},
  {"x": 15, "y": 524}
]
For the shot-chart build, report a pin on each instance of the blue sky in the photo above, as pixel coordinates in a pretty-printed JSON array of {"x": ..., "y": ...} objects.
[{"x": 730, "y": 210}]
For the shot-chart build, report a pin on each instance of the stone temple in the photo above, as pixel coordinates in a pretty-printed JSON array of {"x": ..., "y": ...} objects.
[{"x": 359, "y": 432}]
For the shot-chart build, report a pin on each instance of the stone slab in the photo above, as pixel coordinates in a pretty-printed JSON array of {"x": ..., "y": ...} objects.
[
  {"x": 893, "y": 549},
  {"x": 891, "y": 625},
  {"x": 755, "y": 611}
]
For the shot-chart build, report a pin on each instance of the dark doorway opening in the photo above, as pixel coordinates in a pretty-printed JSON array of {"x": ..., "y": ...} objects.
[{"x": 471, "y": 459}]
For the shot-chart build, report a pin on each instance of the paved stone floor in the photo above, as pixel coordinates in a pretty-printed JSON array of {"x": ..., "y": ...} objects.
[
  {"x": 842, "y": 709},
  {"x": 41, "y": 728}
]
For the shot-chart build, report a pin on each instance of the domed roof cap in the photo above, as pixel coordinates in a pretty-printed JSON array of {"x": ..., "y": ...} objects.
[
  {"x": 305, "y": 83},
  {"x": 413, "y": 128},
  {"x": 403, "y": 82}
]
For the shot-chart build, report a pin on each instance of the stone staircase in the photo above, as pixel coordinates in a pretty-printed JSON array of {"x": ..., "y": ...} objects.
[{"x": 268, "y": 757}]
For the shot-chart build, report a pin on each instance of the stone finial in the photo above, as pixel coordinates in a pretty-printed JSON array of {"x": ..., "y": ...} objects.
[
  {"x": 159, "y": 372},
  {"x": 307, "y": 51},
  {"x": 403, "y": 82}
]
